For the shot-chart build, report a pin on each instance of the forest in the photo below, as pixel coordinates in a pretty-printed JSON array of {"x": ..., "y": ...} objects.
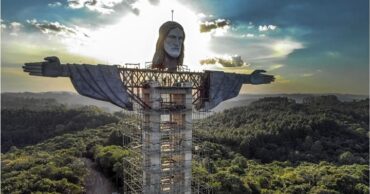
[
  {"x": 321, "y": 128},
  {"x": 274, "y": 145},
  {"x": 22, "y": 127}
]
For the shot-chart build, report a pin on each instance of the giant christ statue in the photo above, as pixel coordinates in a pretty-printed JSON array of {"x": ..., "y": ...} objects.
[{"x": 104, "y": 82}]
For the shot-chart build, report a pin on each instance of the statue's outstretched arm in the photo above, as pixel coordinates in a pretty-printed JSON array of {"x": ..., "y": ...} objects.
[
  {"x": 256, "y": 77},
  {"x": 101, "y": 82},
  {"x": 51, "y": 67}
]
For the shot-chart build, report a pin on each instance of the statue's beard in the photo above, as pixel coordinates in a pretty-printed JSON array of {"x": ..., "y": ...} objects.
[
  {"x": 173, "y": 55},
  {"x": 172, "y": 52}
]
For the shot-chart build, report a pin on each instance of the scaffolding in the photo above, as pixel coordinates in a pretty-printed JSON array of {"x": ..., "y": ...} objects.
[
  {"x": 136, "y": 79},
  {"x": 132, "y": 141},
  {"x": 160, "y": 144}
]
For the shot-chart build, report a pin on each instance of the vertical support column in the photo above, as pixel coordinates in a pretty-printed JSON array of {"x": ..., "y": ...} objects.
[
  {"x": 167, "y": 139},
  {"x": 188, "y": 123},
  {"x": 151, "y": 140}
]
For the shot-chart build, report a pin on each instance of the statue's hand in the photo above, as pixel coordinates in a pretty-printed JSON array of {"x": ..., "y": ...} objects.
[
  {"x": 50, "y": 67},
  {"x": 258, "y": 78}
]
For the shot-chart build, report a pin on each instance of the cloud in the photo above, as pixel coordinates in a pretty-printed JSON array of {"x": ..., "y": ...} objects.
[
  {"x": 55, "y": 28},
  {"x": 257, "y": 50},
  {"x": 52, "y": 27},
  {"x": 276, "y": 66},
  {"x": 234, "y": 61},
  {"x": 285, "y": 47},
  {"x": 208, "y": 26},
  {"x": 105, "y": 6},
  {"x": 332, "y": 54},
  {"x": 15, "y": 28},
  {"x": 265, "y": 28},
  {"x": 3, "y": 26},
  {"x": 310, "y": 74},
  {"x": 307, "y": 75},
  {"x": 210, "y": 61},
  {"x": 154, "y": 2},
  {"x": 55, "y": 4},
  {"x": 248, "y": 35},
  {"x": 281, "y": 79},
  {"x": 202, "y": 15}
]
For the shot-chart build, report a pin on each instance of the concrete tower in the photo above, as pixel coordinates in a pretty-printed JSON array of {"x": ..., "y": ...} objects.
[{"x": 167, "y": 138}]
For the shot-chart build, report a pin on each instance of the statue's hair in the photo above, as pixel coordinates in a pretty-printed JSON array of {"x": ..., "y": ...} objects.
[{"x": 160, "y": 53}]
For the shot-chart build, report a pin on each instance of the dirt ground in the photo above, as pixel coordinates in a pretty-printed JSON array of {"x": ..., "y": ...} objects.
[{"x": 96, "y": 182}]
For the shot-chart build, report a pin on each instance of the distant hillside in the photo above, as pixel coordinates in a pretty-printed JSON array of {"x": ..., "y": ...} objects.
[
  {"x": 71, "y": 100},
  {"x": 9, "y": 100},
  {"x": 246, "y": 99}
]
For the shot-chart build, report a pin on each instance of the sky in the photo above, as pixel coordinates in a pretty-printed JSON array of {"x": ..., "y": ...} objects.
[{"x": 316, "y": 46}]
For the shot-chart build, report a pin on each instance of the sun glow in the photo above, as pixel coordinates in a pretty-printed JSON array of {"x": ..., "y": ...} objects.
[
  {"x": 133, "y": 38},
  {"x": 285, "y": 47}
]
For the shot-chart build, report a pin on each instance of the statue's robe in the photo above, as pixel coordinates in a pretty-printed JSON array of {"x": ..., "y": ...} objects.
[
  {"x": 103, "y": 82},
  {"x": 222, "y": 86}
]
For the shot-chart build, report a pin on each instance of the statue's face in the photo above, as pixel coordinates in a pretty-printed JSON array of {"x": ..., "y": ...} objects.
[{"x": 173, "y": 42}]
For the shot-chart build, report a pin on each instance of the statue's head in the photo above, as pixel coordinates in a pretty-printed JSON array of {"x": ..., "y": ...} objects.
[{"x": 170, "y": 43}]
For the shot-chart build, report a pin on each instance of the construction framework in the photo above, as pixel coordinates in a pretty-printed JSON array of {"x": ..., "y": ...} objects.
[
  {"x": 135, "y": 79},
  {"x": 160, "y": 145}
]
